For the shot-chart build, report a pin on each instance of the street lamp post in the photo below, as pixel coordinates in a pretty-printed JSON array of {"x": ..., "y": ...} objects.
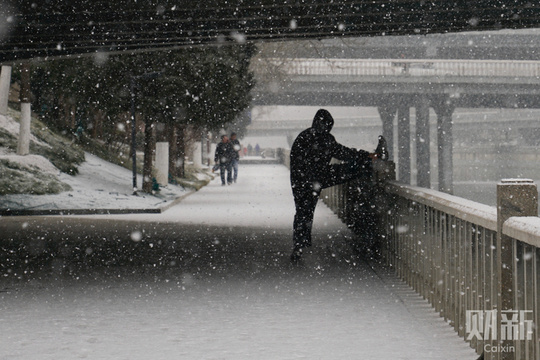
[{"x": 133, "y": 134}]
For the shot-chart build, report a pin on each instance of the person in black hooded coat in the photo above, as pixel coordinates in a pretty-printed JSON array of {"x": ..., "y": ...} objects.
[
  {"x": 311, "y": 172},
  {"x": 224, "y": 156}
]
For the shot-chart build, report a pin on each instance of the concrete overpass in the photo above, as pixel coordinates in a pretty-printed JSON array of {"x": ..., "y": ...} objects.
[
  {"x": 394, "y": 86},
  {"x": 373, "y": 82},
  {"x": 476, "y": 45}
]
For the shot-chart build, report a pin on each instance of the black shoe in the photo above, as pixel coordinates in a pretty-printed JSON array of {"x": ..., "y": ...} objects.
[
  {"x": 296, "y": 255},
  {"x": 382, "y": 149}
]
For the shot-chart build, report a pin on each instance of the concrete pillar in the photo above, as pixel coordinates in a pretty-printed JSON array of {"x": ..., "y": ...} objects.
[
  {"x": 23, "y": 146},
  {"x": 197, "y": 155},
  {"x": 162, "y": 163},
  {"x": 423, "y": 157},
  {"x": 515, "y": 197},
  {"x": 444, "y": 112},
  {"x": 388, "y": 114},
  {"x": 204, "y": 152},
  {"x": 404, "y": 144},
  {"x": 5, "y": 81}
]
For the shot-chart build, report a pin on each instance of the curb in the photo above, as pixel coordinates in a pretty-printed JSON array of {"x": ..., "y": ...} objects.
[
  {"x": 159, "y": 210},
  {"x": 176, "y": 201},
  {"x": 23, "y": 212},
  {"x": 269, "y": 161}
]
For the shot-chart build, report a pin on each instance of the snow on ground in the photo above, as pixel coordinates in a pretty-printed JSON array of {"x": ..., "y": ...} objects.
[
  {"x": 261, "y": 198},
  {"x": 10, "y": 125},
  {"x": 99, "y": 185},
  {"x": 31, "y": 160},
  {"x": 228, "y": 292}
]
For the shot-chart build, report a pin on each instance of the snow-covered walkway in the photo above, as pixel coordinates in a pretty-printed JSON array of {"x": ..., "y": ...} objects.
[{"x": 210, "y": 279}]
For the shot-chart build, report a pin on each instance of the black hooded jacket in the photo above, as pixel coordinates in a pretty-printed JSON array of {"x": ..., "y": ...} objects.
[
  {"x": 224, "y": 153},
  {"x": 315, "y": 147}
]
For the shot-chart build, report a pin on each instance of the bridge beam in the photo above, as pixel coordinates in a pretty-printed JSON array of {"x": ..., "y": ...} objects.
[
  {"x": 444, "y": 110},
  {"x": 404, "y": 143},
  {"x": 423, "y": 156}
]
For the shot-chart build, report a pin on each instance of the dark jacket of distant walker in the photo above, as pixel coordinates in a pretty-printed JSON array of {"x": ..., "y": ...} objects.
[
  {"x": 224, "y": 153},
  {"x": 236, "y": 148},
  {"x": 312, "y": 151}
]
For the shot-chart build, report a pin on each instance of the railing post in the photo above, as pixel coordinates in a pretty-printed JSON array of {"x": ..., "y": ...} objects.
[{"x": 515, "y": 197}]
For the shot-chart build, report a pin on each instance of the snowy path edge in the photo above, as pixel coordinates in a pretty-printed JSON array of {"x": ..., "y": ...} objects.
[{"x": 96, "y": 211}]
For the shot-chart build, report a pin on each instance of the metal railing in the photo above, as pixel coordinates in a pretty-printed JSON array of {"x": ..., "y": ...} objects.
[
  {"x": 402, "y": 67},
  {"x": 447, "y": 249}
]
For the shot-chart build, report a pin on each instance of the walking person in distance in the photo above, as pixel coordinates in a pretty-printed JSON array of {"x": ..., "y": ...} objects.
[
  {"x": 224, "y": 157},
  {"x": 236, "y": 159}
]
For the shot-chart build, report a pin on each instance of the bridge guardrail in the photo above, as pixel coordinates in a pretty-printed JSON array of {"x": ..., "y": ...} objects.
[
  {"x": 406, "y": 67},
  {"x": 447, "y": 249}
]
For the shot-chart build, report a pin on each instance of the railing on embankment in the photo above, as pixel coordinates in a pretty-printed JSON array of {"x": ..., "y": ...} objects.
[{"x": 447, "y": 249}]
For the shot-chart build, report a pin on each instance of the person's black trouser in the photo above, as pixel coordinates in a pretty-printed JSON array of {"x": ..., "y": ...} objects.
[
  {"x": 306, "y": 194},
  {"x": 225, "y": 167}
]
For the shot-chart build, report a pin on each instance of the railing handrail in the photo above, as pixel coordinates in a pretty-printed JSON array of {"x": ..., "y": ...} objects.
[
  {"x": 523, "y": 228},
  {"x": 406, "y": 67},
  {"x": 471, "y": 211},
  {"x": 397, "y": 60}
]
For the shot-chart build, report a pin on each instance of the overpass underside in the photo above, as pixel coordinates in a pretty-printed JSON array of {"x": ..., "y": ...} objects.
[
  {"x": 352, "y": 98},
  {"x": 44, "y": 28}
]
